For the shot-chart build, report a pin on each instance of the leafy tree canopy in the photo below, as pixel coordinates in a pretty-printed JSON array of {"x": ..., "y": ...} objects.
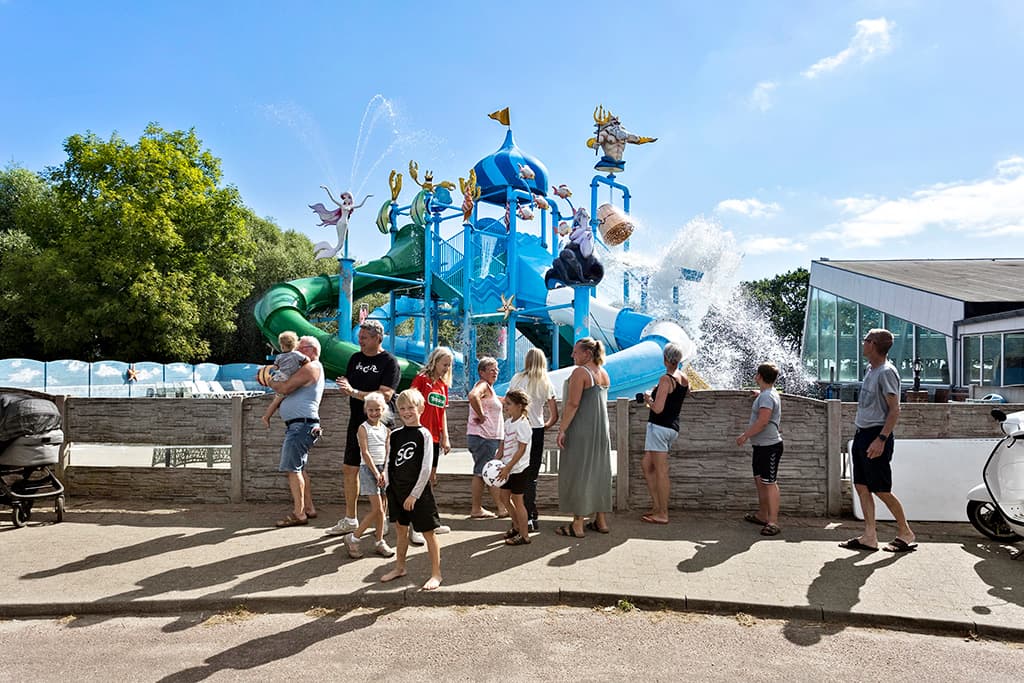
[
  {"x": 783, "y": 300},
  {"x": 134, "y": 251}
]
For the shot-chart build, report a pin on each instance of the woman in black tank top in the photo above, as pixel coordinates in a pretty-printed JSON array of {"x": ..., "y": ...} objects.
[{"x": 665, "y": 403}]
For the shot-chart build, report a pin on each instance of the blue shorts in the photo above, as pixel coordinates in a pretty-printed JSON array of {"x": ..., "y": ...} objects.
[
  {"x": 482, "y": 450},
  {"x": 368, "y": 485},
  {"x": 298, "y": 439},
  {"x": 659, "y": 438}
]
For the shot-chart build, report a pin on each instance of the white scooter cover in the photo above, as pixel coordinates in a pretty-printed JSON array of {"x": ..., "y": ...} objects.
[{"x": 1004, "y": 477}]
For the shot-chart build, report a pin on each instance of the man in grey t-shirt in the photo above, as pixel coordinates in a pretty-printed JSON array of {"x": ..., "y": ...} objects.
[{"x": 878, "y": 409}]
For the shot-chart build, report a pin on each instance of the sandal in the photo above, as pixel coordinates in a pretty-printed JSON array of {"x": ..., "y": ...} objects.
[
  {"x": 568, "y": 531},
  {"x": 592, "y": 525},
  {"x": 753, "y": 519},
  {"x": 771, "y": 530},
  {"x": 291, "y": 520},
  {"x": 511, "y": 533},
  {"x": 517, "y": 540}
]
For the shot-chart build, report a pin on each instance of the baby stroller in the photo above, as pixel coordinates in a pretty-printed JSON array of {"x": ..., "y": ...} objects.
[{"x": 30, "y": 439}]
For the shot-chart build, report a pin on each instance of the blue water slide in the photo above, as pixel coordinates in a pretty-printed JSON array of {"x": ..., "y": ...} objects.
[{"x": 635, "y": 341}]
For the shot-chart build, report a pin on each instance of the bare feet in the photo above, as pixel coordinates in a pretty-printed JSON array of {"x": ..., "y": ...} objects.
[
  {"x": 432, "y": 583},
  {"x": 395, "y": 573}
]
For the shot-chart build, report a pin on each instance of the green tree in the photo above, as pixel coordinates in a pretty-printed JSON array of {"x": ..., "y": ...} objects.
[
  {"x": 145, "y": 256},
  {"x": 783, "y": 300},
  {"x": 277, "y": 257}
]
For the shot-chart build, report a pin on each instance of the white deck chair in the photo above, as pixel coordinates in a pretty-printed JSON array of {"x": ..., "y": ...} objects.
[
  {"x": 239, "y": 387},
  {"x": 218, "y": 390}
]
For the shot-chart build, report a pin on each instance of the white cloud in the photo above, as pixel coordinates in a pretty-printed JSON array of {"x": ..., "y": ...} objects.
[
  {"x": 749, "y": 207},
  {"x": 25, "y": 376},
  {"x": 761, "y": 97},
  {"x": 107, "y": 371},
  {"x": 768, "y": 245},
  {"x": 988, "y": 207},
  {"x": 871, "y": 40}
]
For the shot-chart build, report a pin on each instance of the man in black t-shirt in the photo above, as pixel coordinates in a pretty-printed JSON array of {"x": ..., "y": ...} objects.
[{"x": 370, "y": 369}]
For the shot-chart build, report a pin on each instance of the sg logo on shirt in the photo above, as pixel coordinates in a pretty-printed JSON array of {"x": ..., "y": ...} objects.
[{"x": 405, "y": 452}]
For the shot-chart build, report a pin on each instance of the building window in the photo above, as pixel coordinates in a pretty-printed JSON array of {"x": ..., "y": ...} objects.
[
  {"x": 870, "y": 319},
  {"x": 902, "y": 352},
  {"x": 991, "y": 360},
  {"x": 972, "y": 360},
  {"x": 827, "y": 336},
  {"x": 810, "y": 341},
  {"x": 1013, "y": 358},
  {"x": 849, "y": 342},
  {"x": 931, "y": 349}
]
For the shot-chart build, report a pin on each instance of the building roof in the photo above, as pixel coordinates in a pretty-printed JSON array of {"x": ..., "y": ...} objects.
[{"x": 967, "y": 280}]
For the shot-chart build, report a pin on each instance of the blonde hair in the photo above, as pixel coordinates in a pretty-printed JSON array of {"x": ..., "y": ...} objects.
[
  {"x": 377, "y": 397},
  {"x": 430, "y": 369},
  {"x": 287, "y": 340},
  {"x": 595, "y": 347},
  {"x": 411, "y": 397},
  {"x": 535, "y": 372}
]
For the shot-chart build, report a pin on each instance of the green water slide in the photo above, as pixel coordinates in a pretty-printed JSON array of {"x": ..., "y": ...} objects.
[{"x": 289, "y": 305}]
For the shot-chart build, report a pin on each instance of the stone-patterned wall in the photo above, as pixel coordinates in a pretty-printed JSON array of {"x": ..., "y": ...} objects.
[
  {"x": 938, "y": 421},
  {"x": 709, "y": 471},
  {"x": 178, "y": 484},
  {"x": 159, "y": 421},
  {"x": 261, "y": 482}
]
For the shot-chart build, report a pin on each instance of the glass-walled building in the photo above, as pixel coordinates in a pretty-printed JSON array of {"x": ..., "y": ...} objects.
[
  {"x": 835, "y": 327},
  {"x": 963, "y": 319}
]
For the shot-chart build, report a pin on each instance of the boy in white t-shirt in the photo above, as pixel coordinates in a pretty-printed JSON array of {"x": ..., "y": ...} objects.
[{"x": 518, "y": 435}]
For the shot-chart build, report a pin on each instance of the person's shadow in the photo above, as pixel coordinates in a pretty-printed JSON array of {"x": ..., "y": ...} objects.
[
  {"x": 997, "y": 568},
  {"x": 837, "y": 589}
]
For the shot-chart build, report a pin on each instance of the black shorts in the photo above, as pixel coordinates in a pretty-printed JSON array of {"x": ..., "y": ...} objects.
[
  {"x": 766, "y": 462},
  {"x": 874, "y": 473},
  {"x": 517, "y": 482},
  {"x": 423, "y": 516},
  {"x": 437, "y": 453},
  {"x": 353, "y": 456}
]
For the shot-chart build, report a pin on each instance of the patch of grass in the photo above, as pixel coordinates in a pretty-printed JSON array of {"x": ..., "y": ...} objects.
[
  {"x": 745, "y": 619},
  {"x": 232, "y": 616},
  {"x": 319, "y": 612}
]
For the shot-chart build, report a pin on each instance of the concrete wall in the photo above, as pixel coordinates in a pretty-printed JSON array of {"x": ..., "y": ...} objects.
[{"x": 707, "y": 469}]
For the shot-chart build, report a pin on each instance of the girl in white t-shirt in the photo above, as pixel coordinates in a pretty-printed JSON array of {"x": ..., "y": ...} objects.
[
  {"x": 373, "y": 436},
  {"x": 517, "y": 464},
  {"x": 534, "y": 382}
]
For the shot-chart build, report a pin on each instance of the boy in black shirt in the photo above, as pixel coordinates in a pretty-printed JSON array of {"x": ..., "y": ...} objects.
[{"x": 407, "y": 478}]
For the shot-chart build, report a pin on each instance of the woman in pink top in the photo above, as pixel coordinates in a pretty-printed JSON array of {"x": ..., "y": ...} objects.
[{"x": 484, "y": 434}]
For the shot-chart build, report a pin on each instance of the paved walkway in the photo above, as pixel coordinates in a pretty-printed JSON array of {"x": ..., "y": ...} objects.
[{"x": 114, "y": 558}]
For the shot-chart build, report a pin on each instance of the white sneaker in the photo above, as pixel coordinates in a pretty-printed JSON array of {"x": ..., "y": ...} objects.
[
  {"x": 443, "y": 529},
  {"x": 415, "y": 537},
  {"x": 383, "y": 549},
  {"x": 338, "y": 529},
  {"x": 348, "y": 524},
  {"x": 352, "y": 544}
]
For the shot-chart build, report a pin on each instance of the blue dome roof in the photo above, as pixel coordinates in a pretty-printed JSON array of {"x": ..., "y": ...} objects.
[{"x": 501, "y": 170}]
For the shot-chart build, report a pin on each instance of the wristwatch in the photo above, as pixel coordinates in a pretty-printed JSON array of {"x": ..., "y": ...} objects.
[{"x": 884, "y": 437}]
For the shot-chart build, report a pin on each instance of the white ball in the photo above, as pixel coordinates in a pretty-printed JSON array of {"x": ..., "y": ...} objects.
[{"x": 492, "y": 468}]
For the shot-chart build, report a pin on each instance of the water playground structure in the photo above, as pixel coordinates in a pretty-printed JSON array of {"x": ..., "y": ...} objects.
[{"x": 533, "y": 272}]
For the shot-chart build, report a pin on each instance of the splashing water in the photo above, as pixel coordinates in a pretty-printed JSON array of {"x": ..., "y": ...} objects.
[{"x": 731, "y": 334}]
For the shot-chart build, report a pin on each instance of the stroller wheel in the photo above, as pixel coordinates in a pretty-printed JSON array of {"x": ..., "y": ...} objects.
[
  {"x": 18, "y": 516},
  {"x": 58, "y": 507}
]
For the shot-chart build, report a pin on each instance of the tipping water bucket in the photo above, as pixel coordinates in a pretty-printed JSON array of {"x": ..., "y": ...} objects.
[{"x": 614, "y": 225}]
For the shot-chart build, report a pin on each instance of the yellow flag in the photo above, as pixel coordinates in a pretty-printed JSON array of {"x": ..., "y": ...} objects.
[{"x": 501, "y": 116}]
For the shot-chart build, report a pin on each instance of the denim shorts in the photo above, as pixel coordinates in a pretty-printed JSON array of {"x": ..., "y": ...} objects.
[
  {"x": 659, "y": 438},
  {"x": 482, "y": 450},
  {"x": 367, "y": 482},
  {"x": 298, "y": 439}
]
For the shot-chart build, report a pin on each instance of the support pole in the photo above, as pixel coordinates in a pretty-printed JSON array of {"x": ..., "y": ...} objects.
[{"x": 347, "y": 269}]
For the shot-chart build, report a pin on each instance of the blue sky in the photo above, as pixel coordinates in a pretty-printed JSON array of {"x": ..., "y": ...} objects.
[{"x": 857, "y": 130}]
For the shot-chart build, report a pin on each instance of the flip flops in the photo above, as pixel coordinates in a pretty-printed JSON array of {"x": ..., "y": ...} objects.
[
  {"x": 568, "y": 531},
  {"x": 291, "y": 520},
  {"x": 652, "y": 520},
  {"x": 592, "y": 525},
  {"x": 898, "y": 545},
  {"x": 753, "y": 519},
  {"x": 855, "y": 544},
  {"x": 486, "y": 514},
  {"x": 771, "y": 530},
  {"x": 517, "y": 540}
]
